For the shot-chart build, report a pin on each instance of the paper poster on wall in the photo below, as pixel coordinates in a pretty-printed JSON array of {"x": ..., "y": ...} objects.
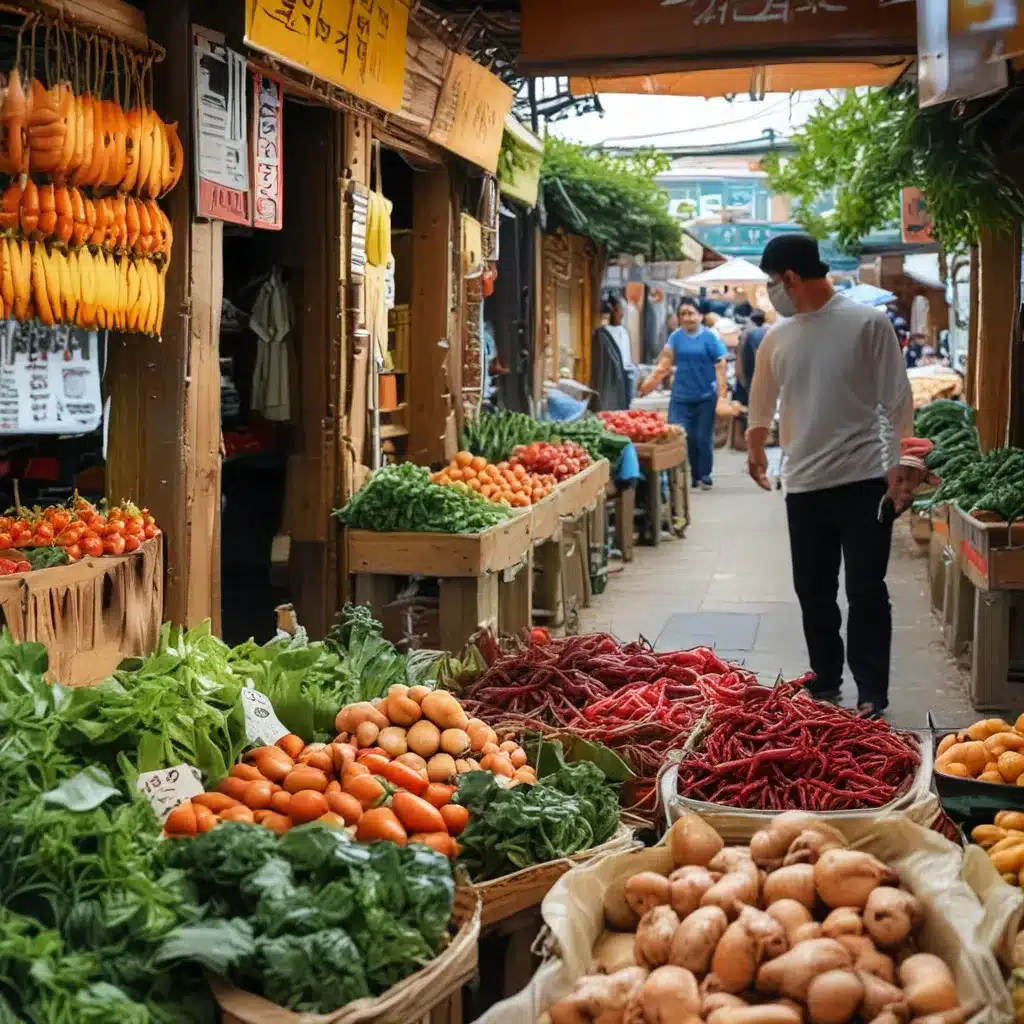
[
  {"x": 221, "y": 135},
  {"x": 358, "y": 45},
  {"x": 49, "y": 379},
  {"x": 267, "y": 153},
  {"x": 916, "y": 220}
]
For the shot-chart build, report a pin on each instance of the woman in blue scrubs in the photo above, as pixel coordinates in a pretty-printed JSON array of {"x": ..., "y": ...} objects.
[{"x": 698, "y": 356}]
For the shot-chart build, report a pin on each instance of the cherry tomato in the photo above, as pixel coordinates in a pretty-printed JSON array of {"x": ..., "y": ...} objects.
[
  {"x": 92, "y": 546},
  {"x": 113, "y": 544}
]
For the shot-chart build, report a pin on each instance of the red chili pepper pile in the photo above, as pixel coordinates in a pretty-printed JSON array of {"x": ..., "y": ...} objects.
[
  {"x": 778, "y": 749},
  {"x": 638, "y": 425},
  {"x": 640, "y": 703},
  {"x": 560, "y": 459},
  {"x": 758, "y": 747}
]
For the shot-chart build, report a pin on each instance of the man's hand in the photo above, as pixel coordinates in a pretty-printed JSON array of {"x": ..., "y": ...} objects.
[
  {"x": 902, "y": 484},
  {"x": 757, "y": 467}
]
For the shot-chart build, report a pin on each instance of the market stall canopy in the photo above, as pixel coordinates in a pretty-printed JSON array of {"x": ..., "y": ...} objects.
[
  {"x": 868, "y": 295},
  {"x": 731, "y": 272},
  {"x": 602, "y": 38},
  {"x": 756, "y": 81}
]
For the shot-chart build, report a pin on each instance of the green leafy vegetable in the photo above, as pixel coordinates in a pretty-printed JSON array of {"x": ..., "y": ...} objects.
[{"x": 509, "y": 829}]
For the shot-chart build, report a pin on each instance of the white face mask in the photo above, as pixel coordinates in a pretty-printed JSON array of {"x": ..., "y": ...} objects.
[{"x": 780, "y": 299}]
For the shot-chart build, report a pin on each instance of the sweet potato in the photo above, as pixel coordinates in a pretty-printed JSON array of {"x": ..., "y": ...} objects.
[
  {"x": 695, "y": 939},
  {"x": 693, "y": 841},
  {"x": 890, "y": 915},
  {"x": 846, "y": 878},
  {"x": 833, "y": 997},
  {"x": 928, "y": 983},
  {"x": 792, "y": 973},
  {"x": 654, "y": 936}
]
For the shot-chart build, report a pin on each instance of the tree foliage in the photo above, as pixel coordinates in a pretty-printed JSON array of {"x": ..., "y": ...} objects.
[
  {"x": 612, "y": 199},
  {"x": 867, "y": 145}
]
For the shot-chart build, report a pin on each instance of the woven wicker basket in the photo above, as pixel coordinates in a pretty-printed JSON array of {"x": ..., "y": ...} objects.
[
  {"x": 511, "y": 894},
  {"x": 404, "y": 1003}
]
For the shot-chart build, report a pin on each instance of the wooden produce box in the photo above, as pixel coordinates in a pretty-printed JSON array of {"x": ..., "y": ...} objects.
[
  {"x": 662, "y": 455},
  {"x": 920, "y": 527},
  {"x": 992, "y": 557},
  {"x": 547, "y": 519},
  {"x": 440, "y": 554},
  {"x": 89, "y": 615},
  {"x": 581, "y": 491}
]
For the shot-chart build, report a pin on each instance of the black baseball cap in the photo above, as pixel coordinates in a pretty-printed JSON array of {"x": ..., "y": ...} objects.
[{"x": 797, "y": 252}]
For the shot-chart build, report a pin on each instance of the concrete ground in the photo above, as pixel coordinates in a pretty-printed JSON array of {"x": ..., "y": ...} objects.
[{"x": 728, "y": 584}]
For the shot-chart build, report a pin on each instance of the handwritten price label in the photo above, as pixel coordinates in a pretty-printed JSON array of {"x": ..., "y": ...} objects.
[
  {"x": 168, "y": 787},
  {"x": 261, "y": 722}
]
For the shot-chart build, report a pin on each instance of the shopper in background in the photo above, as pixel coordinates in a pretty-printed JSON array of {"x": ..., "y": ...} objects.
[
  {"x": 746, "y": 353},
  {"x": 845, "y": 404},
  {"x": 698, "y": 356},
  {"x": 612, "y": 371}
]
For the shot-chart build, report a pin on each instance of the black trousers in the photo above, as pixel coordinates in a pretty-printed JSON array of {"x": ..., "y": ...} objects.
[{"x": 826, "y": 527}]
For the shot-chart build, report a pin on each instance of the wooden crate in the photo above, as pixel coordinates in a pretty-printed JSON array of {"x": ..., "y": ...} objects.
[
  {"x": 90, "y": 615},
  {"x": 547, "y": 520},
  {"x": 442, "y": 555},
  {"x": 580, "y": 491},
  {"x": 940, "y": 555},
  {"x": 662, "y": 455},
  {"x": 920, "y": 527},
  {"x": 992, "y": 556}
]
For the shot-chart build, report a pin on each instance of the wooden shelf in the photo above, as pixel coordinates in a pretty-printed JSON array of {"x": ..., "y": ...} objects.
[{"x": 391, "y": 430}]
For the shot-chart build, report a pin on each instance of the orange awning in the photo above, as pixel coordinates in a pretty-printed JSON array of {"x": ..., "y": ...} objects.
[{"x": 760, "y": 80}]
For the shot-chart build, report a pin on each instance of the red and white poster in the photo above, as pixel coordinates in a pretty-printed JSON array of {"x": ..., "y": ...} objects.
[{"x": 267, "y": 155}]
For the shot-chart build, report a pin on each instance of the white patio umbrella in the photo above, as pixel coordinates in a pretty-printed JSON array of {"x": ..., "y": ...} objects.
[{"x": 731, "y": 272}]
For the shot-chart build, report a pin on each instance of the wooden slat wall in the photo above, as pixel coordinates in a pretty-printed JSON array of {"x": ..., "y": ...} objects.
[
  {"x": 430, "y": 315},
  {"x": 998, "y": 310},
  {"x": 147, "y": 458}
]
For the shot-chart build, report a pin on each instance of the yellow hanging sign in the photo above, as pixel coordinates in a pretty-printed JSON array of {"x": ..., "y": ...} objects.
[{"x": 358, "y": 45}]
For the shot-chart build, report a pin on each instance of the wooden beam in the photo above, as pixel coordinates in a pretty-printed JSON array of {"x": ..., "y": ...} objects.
[
  {"x": 430, "y": 315},
  {"x": 997, "y": 311},
  {"x": 148, "y": 391}
]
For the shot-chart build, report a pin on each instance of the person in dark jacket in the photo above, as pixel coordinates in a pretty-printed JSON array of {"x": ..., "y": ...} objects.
[{"x": 610, "y": 375}]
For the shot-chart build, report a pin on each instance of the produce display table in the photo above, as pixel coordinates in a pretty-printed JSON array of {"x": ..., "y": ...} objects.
[
  {"x": 468, "y": 566},
  {"x": 90, "y": 615},
  {"x": 562, "y": 547},
  {"x": 666, "y": 457},
  {"x": 990, "y": 558}
]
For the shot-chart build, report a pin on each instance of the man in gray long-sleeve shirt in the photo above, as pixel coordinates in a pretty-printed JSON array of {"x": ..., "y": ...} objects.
[{"x": 846, "y": 402}]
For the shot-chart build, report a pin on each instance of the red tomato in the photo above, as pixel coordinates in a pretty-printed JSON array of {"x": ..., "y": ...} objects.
[
  {"x": 6, "y": 542},
  {"x": 131, "y": 543},
  {"x": 113, "y": 544},
  {"x": 23, "y": 567},
  {"x": 151, "y": 531},
  {"x": 92, "y": 546},
  {"x": 44, "y": 533},
  {"x": 74, "y": 552}
]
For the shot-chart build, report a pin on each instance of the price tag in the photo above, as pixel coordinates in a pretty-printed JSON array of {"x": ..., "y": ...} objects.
[
  {"x": 168, "y": 787},
  {"x": 261, "y": 722}
]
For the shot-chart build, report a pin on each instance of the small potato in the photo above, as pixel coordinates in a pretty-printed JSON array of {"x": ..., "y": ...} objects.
[
  {"x": 955, "y": 768},
  {"x": 367, "y": 733},
  {"x": 393, "y": 740},
  {"x": 417, "y": 693},
  {"x": 455, "y": 742},
  {"x": 411, "y": 760},
  {"x": 518, "y": 758},
  {"x": 403, "y": 711},
  {"x": 441, "y": 768},
  {"x": 994, "y": 777},
  {"x": 1011, "y": 765}
]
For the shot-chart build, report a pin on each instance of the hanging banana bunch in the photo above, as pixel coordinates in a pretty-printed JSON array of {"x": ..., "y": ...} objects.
[{"x": 83, "y": 241}]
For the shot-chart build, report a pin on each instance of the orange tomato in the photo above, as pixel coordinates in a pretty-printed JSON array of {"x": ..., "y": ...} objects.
[
  {"x": 455, "y": 474},
  {"x": 331, "y": 819},
  {"x": 216, "y": 802},
  {"x": 372, "y": 752},
  {"x": 281, "y": 802},
  {"x": 233, "y": 787},
  {"x": 440, "y": 841},
  {"x": 247, "y": 772},
  {"x": 182, "y": 820},
  {"x": 455, "y": 818},
  {"x": 345, "y": 805},
  {"x": 277, "y": 823},
  {"x": 258, "y": 796},
  {"x": 415, "y": 814},
  {"x": 405, "y": 777},
  {"x": 464, "y": 458},
  {"x": 292, "y": 745},
  {"x": 366, "y": 789},
  {"x": 381, "y": 823},
  {"x": 240, "y": 813},
  {"x": 478, "y": 462},
  {"x": 352, "y": 770},
  {"x": 438, "y": 794},
  {"x": 474, "y": 485},
  {"x": 308, "y": 805},
  {"x": 305, "y": 777},
  {"x": 206, "y": 820},
  {"x": 375, "y": 763}
]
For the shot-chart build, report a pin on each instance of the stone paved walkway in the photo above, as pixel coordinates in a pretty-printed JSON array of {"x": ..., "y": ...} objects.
[{"x": 728, "y": 583}]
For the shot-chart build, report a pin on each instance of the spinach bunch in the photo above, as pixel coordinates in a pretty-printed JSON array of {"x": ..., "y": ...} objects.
[
  {"x": 509, "y": 829},
  {"x": 312, "y": 920},
  {"x": 402, "y": 498},
  {"x": 180, "y": 705},
  {"x": 86, "y": 895}
]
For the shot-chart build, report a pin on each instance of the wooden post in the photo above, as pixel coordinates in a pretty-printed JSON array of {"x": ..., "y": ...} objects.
[
  {"x": 997, "y": 311},
  {"x": 467, "y": 604},
  {"x": 165, "y": 408},
  {"x": 430, "y": 315}
]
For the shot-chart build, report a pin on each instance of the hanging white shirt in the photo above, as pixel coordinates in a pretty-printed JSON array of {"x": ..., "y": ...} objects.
[{"x": 272, "y": 322}]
